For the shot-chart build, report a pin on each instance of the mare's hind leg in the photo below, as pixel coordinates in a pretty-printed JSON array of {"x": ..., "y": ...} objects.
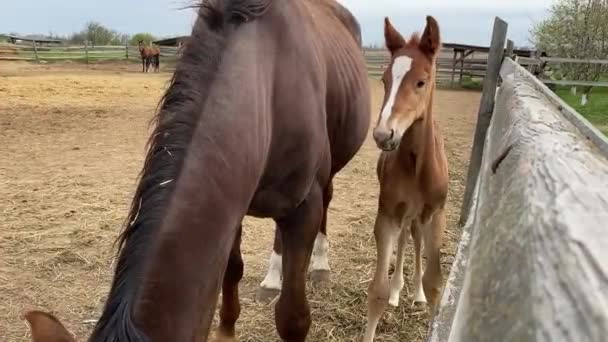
[
  {"x": 319, "y": 264},
  {"x": 386, "y": 233},
  {"x": 298, "y": 231},
  {"x": 231, "y": 307},
  {"x": 271, "y": 285},
  {"x": 432, "y": 279}
]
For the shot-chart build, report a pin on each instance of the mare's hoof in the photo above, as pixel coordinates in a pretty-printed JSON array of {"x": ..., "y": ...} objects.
[
  {"x": 223, "y": 338},
  {"x": 319, "y": 276},
  {"x": 266, "y": 296}
]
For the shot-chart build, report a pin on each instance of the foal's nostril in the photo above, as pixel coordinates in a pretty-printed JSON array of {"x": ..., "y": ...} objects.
[{"x": 392, "y": 134}]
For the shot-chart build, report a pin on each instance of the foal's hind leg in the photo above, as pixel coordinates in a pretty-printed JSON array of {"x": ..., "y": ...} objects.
[
  {"x": 298, "y": 231},
  {"x": 319, "y": 265},
  {"x": 419, "y": 297},
  {"x": 231, "y": 308},
  {"x": 386, "y": 233},
  {"x": 432, "y": 279},
  {"x": 396, "y": 283}
]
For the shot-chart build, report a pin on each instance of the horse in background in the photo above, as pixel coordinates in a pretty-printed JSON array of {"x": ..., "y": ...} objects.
[
  {"x": 150, "y": 55},
  {"x": 269, "y": 100},
  {"x": 413, "y": 173}
]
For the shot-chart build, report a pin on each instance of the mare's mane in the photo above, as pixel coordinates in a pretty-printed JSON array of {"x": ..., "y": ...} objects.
[{"x": 174, "y": 125}]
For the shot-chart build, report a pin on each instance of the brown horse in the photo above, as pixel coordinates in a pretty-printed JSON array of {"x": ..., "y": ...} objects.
[
  {"x": 149, "y": 55},
  {"x": 269, "y": 100},
  {"x": 412, "y": 170}
]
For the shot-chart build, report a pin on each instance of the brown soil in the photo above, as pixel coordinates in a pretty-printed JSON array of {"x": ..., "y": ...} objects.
[{"x": 73, "y": 141}]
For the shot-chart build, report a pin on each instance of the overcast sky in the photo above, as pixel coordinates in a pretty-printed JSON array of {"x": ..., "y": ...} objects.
[{"x": 462, "y": 21}]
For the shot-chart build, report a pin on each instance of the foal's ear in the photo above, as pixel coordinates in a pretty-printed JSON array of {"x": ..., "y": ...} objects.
[
  {"x": 46, "y": 328},
  {"x": 430, "y": 43},
  {"x": 394, "y": 40}
]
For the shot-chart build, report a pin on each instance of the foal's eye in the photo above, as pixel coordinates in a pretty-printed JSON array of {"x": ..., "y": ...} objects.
[{"x": 420, "y": 84}]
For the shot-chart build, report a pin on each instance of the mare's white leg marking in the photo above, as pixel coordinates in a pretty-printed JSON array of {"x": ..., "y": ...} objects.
[
  {"x": 275, "y": 272},
  {"x": 397, "y": 279},
  {"x": 401, "y": 66},
  {"x": 319, "y": 261}
]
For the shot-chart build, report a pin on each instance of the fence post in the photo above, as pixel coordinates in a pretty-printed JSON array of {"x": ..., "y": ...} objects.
[
  {"x": 36, "y": 52},
  {"x": 86, "y": 51},
  {"x": 127, "y": 50},
  {"x": 486, "y": 108},
  {"x": 510, "y": 48}
]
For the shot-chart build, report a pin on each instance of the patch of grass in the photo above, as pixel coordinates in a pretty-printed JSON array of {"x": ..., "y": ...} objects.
[
  {"x": 596, "y": 110},
  {"x": 470, "y": 83}
]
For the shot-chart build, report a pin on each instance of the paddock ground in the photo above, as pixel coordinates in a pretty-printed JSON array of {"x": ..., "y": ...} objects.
[{"x": 73, "y": 139}]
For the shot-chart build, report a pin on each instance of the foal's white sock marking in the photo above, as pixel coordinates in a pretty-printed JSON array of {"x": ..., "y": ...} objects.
[
  {"x": 401, "y": 66},
  {"x": 275, "y": 272},
  {"x": 319, "y": 259}
]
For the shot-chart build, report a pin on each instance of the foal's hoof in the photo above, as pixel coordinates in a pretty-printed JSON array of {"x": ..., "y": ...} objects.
[
  {"x": 319, "y": 276},
  {"x": 266, "y": 296},
  {"x": 418, "y": 303}
]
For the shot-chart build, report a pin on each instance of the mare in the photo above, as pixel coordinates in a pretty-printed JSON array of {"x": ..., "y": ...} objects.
[
  {"x": 412, "y": 170},
  {"x": 269, "y": 100},
  {"x": 149, "y": 55}
]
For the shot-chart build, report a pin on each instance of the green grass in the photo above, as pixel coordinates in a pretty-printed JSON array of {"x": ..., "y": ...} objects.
[
  {"x": 470, "y": 83},
  {"x": 596, "y": 110}
]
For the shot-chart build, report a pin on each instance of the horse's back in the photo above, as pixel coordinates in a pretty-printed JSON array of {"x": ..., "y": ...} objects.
[{"x": 348, "y": 100}]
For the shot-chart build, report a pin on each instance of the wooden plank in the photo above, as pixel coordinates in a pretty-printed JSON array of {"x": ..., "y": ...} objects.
[
  {"x": 454, "y": 67},
  {"x": 575, "y": 61},
  {"x": 510, "y": 47},
  {"x": 529, "y": 61},
  {"x": 535, "y": 265},
  {"x": 575, "y": 83},
  {"x": 499, "y": 37},
  {"x": 36, "y": 52}
]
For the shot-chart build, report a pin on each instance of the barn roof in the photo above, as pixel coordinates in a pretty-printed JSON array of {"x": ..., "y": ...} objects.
[
  {"x": 35, "y": 39},
  {"x": 171, "y": 41}
]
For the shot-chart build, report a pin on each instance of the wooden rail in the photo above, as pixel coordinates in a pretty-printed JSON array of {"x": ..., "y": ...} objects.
[
  {"x": 532, "y": 261},
  {"x": 537, "y": 63},
  {"x": 85, "y": 53}
]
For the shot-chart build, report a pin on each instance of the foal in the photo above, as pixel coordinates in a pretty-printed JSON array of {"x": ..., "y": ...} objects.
[{"x": 412, "y": 170}]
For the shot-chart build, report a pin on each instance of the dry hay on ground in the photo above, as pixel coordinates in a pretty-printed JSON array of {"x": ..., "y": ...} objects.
[{"x": 73, "y": 141}]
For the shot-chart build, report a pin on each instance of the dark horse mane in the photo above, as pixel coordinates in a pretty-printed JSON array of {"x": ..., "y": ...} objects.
[{"x": 175, "y": 122}]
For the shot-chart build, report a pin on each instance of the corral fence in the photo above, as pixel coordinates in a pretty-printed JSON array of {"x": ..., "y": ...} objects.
[
  {"x": 537, "y": 66},
  {"x": 456, "y": 62},
  {"x": 532, "y": 261},
  {"x": 84, "y": 53}
]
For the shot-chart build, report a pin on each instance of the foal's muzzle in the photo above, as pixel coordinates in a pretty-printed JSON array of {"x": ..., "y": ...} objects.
[{"x": 386, "y": 139}]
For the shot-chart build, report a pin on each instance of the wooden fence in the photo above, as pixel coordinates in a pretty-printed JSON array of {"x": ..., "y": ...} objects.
[
  {"x": 449, "y": 70},
  {"x": 83, "y": 53},
  {"x": 537, "y": 64},
  {"x": 456, "y": 63},
  {"x": 531, "y": 264}
]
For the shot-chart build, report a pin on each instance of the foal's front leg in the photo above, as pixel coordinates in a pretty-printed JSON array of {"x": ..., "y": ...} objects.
[
  {"x": 386, "y": 232},
  {"x": 298, "y": 231}
]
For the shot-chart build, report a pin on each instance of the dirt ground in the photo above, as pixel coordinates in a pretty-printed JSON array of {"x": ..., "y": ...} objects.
[{"x": 73, "y": 140}]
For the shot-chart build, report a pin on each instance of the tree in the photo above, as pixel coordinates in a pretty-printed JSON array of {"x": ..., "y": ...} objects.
[
  {"x": 576, "y": 29},
  {"x": 146, "y": 37}
]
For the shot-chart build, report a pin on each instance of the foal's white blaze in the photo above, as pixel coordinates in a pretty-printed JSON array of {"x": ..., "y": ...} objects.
[
  {"x": 275, "y": 271},
  {"x": 320, "y": 261},
  {"x": 401, "y": 67}
]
